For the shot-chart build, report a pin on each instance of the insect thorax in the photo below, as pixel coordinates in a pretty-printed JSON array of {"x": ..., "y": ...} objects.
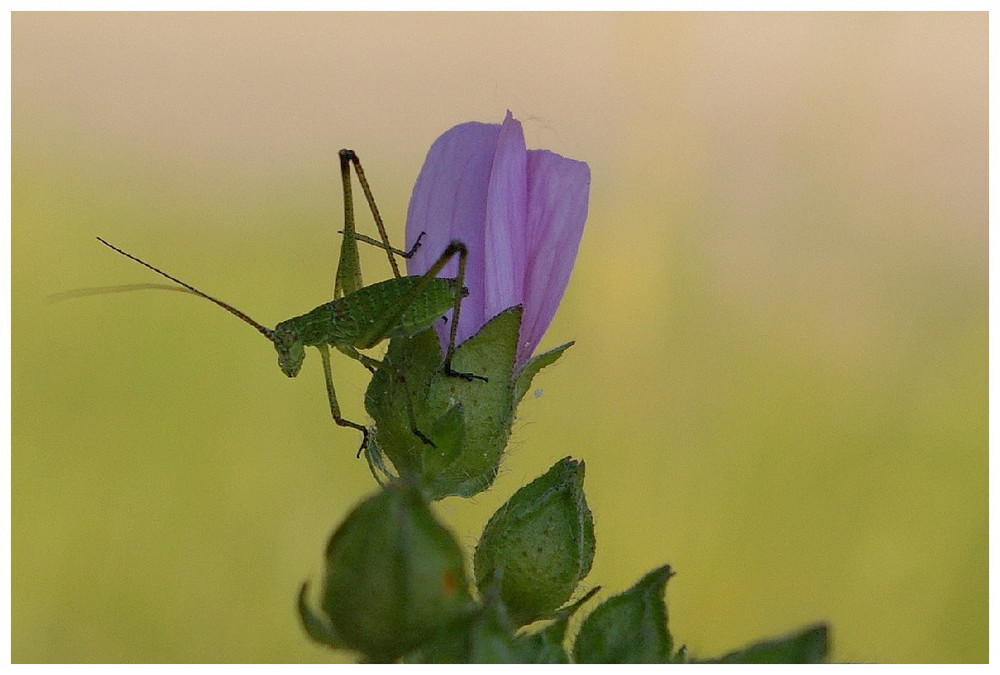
[{"x": 348, "y": 320}]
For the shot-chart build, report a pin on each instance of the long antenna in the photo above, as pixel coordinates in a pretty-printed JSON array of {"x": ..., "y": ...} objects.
[
  {"x": 267, "y": 332},
  {"x": 105, "y": 290}
]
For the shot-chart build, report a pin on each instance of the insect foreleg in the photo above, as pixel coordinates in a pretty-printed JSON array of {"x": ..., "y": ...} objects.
[
  {"x": 324, "y": 351},
  {"x": 377, "y": 244}
]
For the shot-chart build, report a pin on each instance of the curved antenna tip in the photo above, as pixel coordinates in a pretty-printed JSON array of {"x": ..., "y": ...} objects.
[{"x": 264, "y": 330}]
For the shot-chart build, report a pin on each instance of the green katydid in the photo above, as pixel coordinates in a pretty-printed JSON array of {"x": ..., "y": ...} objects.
[{"x": 359, "y": 317}]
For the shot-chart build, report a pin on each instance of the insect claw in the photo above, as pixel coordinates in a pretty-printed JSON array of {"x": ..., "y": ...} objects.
[
  {"x": 416, "y": 245},
  {"x": 364, "y": 442}
]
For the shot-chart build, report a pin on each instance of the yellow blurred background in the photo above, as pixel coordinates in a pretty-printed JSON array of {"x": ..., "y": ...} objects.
[{"x": 779, "y": 384}]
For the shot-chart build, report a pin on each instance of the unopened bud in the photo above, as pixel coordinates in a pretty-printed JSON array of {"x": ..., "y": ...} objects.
[
  {"x": 539, "y": 545},
  {"x": 394, "y": 575}
]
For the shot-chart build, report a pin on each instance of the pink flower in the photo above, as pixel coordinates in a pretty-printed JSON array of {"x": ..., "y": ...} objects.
[{"x": 520, "y": 213}]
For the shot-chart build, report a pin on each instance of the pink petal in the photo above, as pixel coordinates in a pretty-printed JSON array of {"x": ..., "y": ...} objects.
[
  {"x": 506, "y": 221},
  {"x": 449, "y": 201},
  {"x": 520, "y": 213},
  {"x": 558, "y": 196}
]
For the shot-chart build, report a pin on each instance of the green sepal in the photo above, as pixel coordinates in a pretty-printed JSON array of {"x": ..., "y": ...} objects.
[
  {"x": 546, "y": 645},
  {"x": 449, "y": 431},
  {"x": 630, "y": 627},
  {"x": 484, "y": 636},
  {"x": 539, "y": 545},
  {"x": 468, "y": 421},
  {"x": 393, "y": 577},
  {"x": 532, "y": 367},
  {"x": 809, "y": 645},
  {"x": 487, "y": 636},
  {"x": 316, "y": 627}
]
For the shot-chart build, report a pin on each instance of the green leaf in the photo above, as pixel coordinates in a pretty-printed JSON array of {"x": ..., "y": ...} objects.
[
  {"x": 488, "y": 407},
  {"x": 539, "y": 545},
  {"x": 491, "y": 639},
  {"x": 532, "y": 367},
  {"x": 628, "y": 628},
  {"x": 402, "y": 381},
  {"x": 809, "y": 645}
]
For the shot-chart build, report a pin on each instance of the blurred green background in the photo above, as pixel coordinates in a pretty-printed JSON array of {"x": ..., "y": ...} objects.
[{"x": 779, "y": 384}]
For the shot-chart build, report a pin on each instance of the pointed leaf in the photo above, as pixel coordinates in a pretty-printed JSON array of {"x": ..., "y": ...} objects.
[
  {"x": 628, "y": 628},
  {"x": 467, "y": 421},
  {"x": 532, "y": 367},
  {"x": 809, "y": 645}
]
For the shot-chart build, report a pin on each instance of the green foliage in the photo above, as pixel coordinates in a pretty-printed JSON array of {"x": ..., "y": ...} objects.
[
  {"x": 485, "y": 636},
  {"x": 395, "y": 588},
  {"x": 546, "y": 645}
]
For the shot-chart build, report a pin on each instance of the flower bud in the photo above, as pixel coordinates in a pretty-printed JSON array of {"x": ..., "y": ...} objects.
[
  {"x": 539, "y": 545},
  {"x": 394, "y": 575},
  {"x": 520, "y": 212}
]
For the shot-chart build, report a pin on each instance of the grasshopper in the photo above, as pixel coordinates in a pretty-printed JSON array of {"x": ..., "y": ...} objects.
[{"x": 359, "y": 317}]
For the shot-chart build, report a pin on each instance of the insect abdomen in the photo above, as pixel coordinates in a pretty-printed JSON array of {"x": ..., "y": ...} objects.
[{"x": 426, "y": 310}]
